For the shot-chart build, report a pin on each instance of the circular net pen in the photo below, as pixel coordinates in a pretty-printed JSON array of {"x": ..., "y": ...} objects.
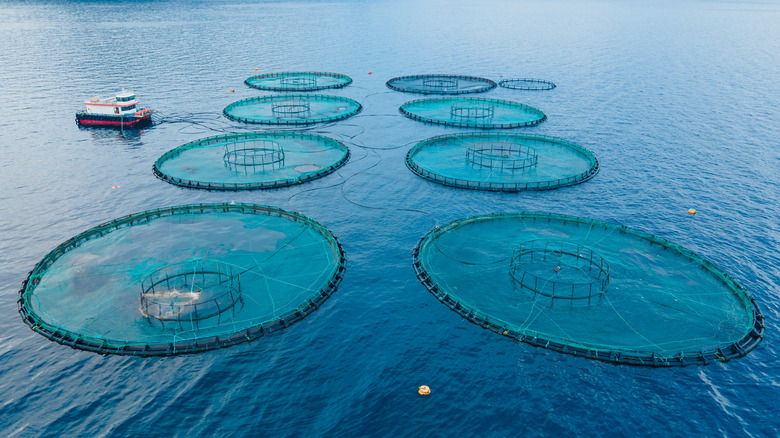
[
  {"x": 292, "y": 109},
  {"x": 182, "y": 279},
  {"x": 298, "y": 81},
  {"x": 440, "y": 84},
  {"x": 472, "y": 113},
  {"x": 589, "y": 288},
  {"x": 251, "y": 161},
  {"x": 527, "y": 84},
  {"x": 502, "y": 162}
]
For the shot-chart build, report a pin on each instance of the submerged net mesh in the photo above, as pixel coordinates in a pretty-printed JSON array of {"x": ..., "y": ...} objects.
[
  {"x": 298, "y": 81},
  {"x": 292, "y": 109},
  {"x": 208, "y": 275},
  {"x": 251, "y": 161},
  {"x": 527, "y": 84},
  {"x": 589, "y": 288},
  {"x": 440, "y": 84},
  {"x": 502, "y": 161},
  {"x": 472, "y": 112}
]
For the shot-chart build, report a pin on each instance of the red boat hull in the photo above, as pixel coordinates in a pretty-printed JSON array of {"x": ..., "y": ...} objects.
[{"x": 109, "y": 121}]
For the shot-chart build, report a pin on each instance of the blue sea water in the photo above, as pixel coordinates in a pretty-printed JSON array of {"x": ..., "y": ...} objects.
[{"x": 679, "y": 101}]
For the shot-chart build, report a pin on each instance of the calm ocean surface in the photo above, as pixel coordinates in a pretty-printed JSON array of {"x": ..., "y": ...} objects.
[{"x": 680, "y": 102}]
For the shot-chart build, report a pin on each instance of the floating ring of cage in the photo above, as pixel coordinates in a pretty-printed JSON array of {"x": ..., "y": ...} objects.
[
  {"x": 440, "y": 84},
  {"x": 254, "y": 155},
  {"x": 502, "y": 155},
  {"x": 190, "y": 291},
  {"x": 527, "y": 84},
  {"x": 560, "y": 269},
  {"x": 298, "y": 81},
  {"x": 598, "y": 290},
  {"x": 254, "y": 160},
  {"x": 292, "y": 109},
  {"x": 211, "y": 276},
  {"x": 472, "y": 112},
  {"x": 501, "y": 161}
]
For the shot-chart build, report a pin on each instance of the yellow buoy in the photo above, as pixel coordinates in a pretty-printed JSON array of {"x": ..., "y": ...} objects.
[
  {"x": 691, "y": 211},
  {"x": 424, "y": 390}
]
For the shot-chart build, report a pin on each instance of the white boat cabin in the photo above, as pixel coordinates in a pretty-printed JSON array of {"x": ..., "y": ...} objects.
[{"x": 123, "y": 103}]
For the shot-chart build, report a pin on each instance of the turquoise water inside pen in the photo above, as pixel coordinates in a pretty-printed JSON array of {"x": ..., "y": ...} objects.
[{"x": 679, "y": 101}]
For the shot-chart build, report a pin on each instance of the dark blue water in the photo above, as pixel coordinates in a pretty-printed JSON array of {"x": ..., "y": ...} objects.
[{"x": 680, "y": 102}]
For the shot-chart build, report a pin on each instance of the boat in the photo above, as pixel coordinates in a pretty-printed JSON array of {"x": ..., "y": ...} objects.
[{"x": 120, "y": 111}]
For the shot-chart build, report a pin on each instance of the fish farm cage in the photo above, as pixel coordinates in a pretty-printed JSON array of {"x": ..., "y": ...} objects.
[
  {"x": 527, "y": 84},
  {"x": 298, "y": 81},
  {"x": 182, "y": 279},
  {"x": 440, "y": 84},
  {"x": 465, "y": 112},
  {"x": 588, "y": 288},
  {"x": 501, "y": 161},
  {"x": 249, "y": 161},
  {"x": 292, "y": 109}
]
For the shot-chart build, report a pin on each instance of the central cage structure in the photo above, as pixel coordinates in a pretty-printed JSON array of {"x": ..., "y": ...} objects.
[
  {"x": 560, "y": 269},
  {"x": 298, "y": 82},
  {"x": 293, "y": 108},
  {"x": 439, "y": 85},
  {"x": 502, "y": 155},
  {"x": 253, "y": 156},
  {"x": 477, "y": 112},
  {"x": 190, "y": 291}
]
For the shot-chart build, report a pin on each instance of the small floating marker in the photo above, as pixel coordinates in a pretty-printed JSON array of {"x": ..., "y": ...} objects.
[
  {"x": 369, "y": 72},
  {"x": 424, "y": 390},
  {"x": 114, "y": 187},
  {"x": 255, "y": 68},
  {"x": 232, "y": 90},
  {"x": 691, "y": 211}
]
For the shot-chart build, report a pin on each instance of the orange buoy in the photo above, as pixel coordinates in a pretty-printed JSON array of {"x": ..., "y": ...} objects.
[
  {"x": 691, "y": 211},
  {"x": 232, "y": 90},
  {"x": 369, "y": 72},
  {"x": 114, "y": 187},
  {"x": 255, "y": 68},
  {"x": 424, "y": 390}
]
